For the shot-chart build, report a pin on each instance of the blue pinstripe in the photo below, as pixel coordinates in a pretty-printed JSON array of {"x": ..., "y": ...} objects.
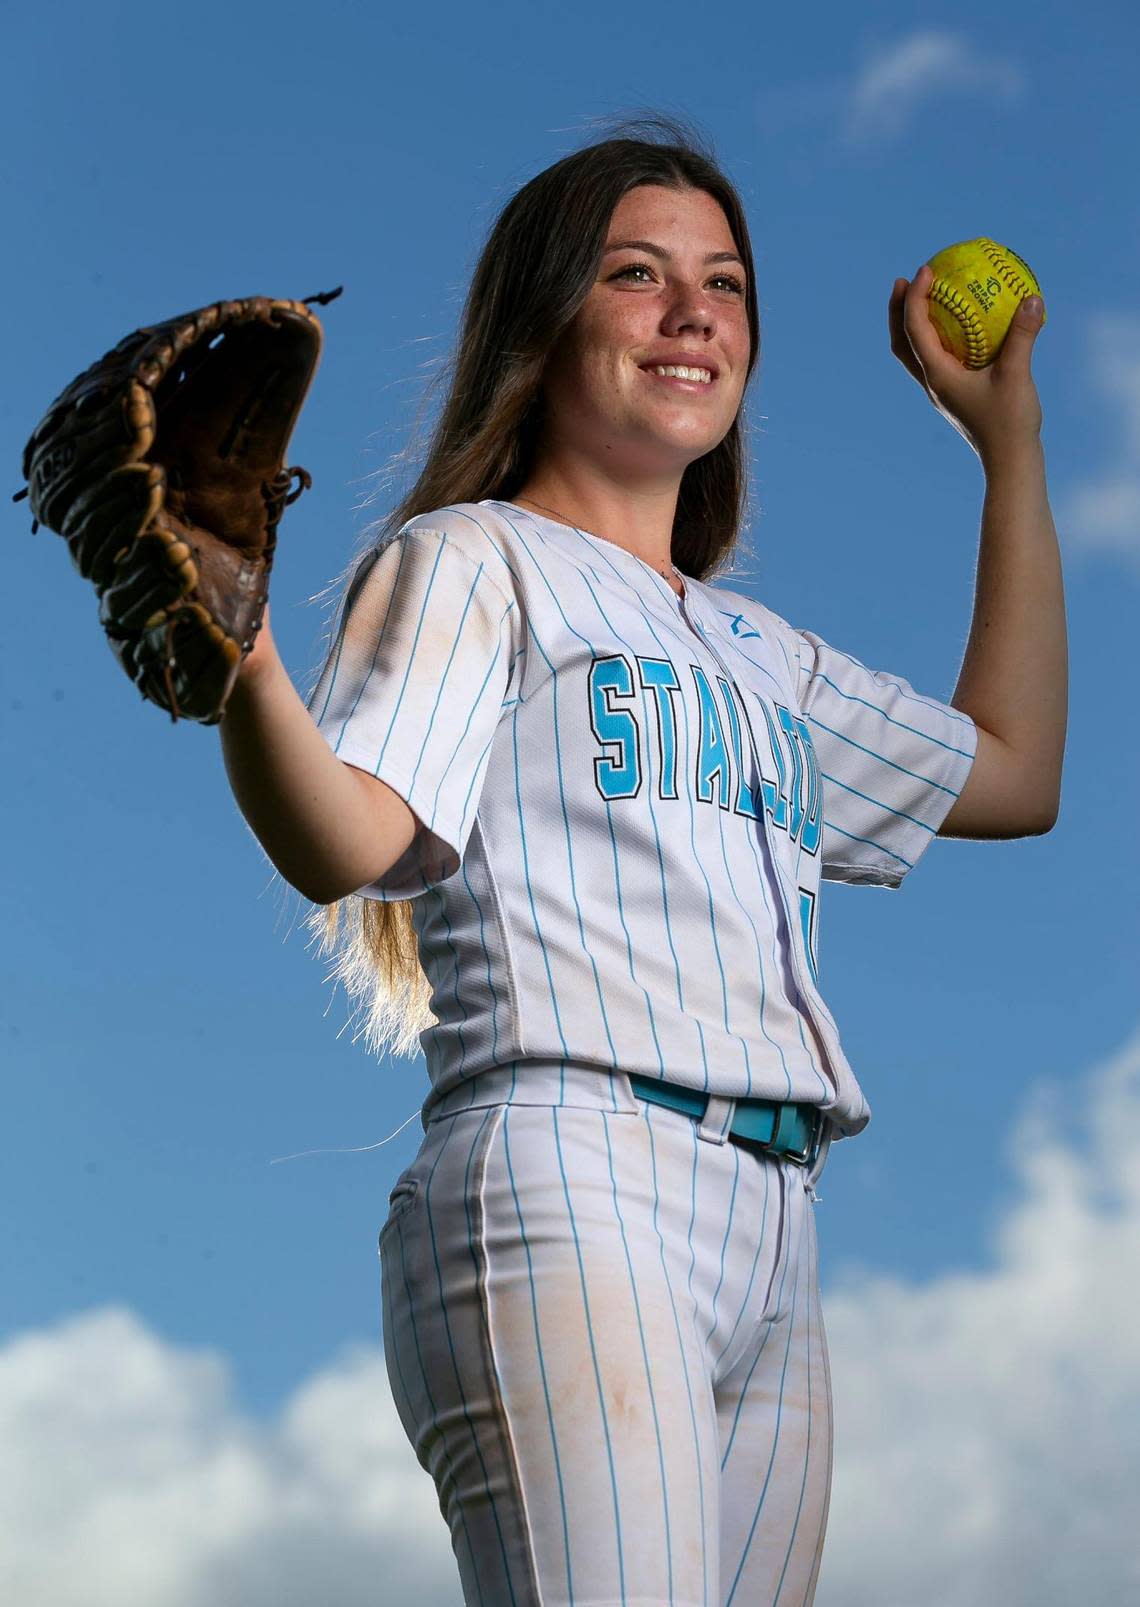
[
  {"x": 404, "y": 548},
  {"x": 554, "y": 678},
  {"x": 690, "y": 770},
  {"x": 882, "y": 759},
  {"x": 570, "y": 845},
  {"x": 629, "y": 943},
  {"x": 340, "y": 641},
  {"x": 787, "y": 661},
  {"x": 775, "y": 1437},
  {"x": 451, "y": 1342},
  {"x": 460, "y": 1006},
  {"x": 538, "y": 1349},
  {"x": 644, "y": 1357},
  {"x": 491, "y": 988},
  {"x": 428, "y": 1391},
  {"x": 724, "y": 1241},
  {"x": 696, "y": 1140},
  {"x": 530, "y": 896},
  {"x": 760, "y": 1244},
  {"x": 609, "y": 819},
  {"x": 446, "y": 669},
  {"x": 462, "y": 735},
  {"x": 909, "y": 697},
  {"x": 684, "y": 637},
  {"x": 677, "y": 1328},
  {"x": 774, "y": 926},
  {"x": 480, "y": 1281},
  {"x": 685, "y": 640},
  {"x": 807, "y": 1463},
  {"x": 870, "y": 841},
  {"x": 433, "y": 1032},
  {"x": 764, "y": 893},
  {"x": 763, "y": 668},
  {"x": 389, "y": 1327},
  {"x": 763, "y": 1343},
  {"x": 593, "y": 1350},
  {"x": 900, "y": 814},
  {"x": 852, "y": 697}
]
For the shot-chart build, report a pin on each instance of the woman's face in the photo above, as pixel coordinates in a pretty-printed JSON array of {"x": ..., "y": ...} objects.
[{"x": 674, "y": 297}]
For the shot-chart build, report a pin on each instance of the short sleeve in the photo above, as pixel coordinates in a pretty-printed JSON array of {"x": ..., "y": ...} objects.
[
  {"x": 413, "y": 688},
  {"x": 892, "y": 763}
]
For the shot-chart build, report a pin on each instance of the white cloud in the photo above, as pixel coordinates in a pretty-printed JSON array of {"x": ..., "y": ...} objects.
[
  {"x": 928, "y": 64},
  {"x": 130, "y": 1478},
  {"x": 890, "y": 87},
  {"x": 1101, "y": 513},
  {"x": 988, "y": 1430},
  {"x": 988, "y": 1423}
]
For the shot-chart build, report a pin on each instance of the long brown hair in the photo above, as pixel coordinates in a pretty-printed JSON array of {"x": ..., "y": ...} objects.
[{"x": 533, "y": 274}]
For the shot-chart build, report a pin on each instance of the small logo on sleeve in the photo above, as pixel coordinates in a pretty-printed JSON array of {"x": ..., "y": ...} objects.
[{"x": 740, "y": 626}]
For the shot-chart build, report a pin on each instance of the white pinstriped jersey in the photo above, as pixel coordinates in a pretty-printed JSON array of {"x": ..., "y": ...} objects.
[{"x": 628, "y": 802}]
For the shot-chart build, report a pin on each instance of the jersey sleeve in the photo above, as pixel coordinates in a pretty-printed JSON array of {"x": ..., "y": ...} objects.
[
  {"x": 891, "y": 761},
  {"x": 413, "y": 688}
]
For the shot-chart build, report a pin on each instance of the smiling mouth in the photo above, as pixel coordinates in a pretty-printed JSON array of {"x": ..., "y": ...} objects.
[{"x": 694, "y": 378}]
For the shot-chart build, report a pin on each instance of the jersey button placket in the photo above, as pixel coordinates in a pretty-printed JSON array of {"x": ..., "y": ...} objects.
[{"x": 793, "y": 928}]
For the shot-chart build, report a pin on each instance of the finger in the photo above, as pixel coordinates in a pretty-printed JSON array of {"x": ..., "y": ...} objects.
[
  {"x": 916, "y": 318},
  {"x": 895, "y": 307},
  {"x": 900, "y": 341},
  {"x": 1017, "y": 348}
]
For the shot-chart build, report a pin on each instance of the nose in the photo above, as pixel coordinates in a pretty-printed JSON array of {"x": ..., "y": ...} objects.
[{"x": 689, "y": 309}]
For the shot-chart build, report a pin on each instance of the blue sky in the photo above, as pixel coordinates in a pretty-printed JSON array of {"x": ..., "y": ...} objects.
[{"x": 167, "y": 1034}]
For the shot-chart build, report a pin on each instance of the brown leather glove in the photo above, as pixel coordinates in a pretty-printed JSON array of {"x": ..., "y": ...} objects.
[{"x": 163, "y": 467}]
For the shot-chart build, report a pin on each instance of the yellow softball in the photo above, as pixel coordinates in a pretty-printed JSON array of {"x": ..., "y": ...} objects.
[{"x": 978, "y": 285}]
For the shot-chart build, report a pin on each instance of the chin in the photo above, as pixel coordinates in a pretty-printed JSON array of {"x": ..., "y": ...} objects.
[
  {"x": 694, "y": 441},
  {"x": 689, "y": 451}
]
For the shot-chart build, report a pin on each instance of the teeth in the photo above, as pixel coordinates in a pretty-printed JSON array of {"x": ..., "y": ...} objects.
[{"x": 702, "y": 374}]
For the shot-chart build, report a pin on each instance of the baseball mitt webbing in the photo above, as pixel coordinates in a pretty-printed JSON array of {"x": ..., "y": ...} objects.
[{"x": 163, "y": 467}]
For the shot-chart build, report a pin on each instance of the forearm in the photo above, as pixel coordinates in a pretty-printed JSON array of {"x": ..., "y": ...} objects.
[
  {"x": 327, "y": 827},
  {"x": 1014, "y": 677}
]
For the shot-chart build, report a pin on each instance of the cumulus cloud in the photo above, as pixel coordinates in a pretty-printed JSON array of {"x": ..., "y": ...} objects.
[
  {"x": 987, "y": 1422},
  {"x": 890, "y": 87},
  {"x": 1101, "y": 512},
  {"x": 129, "y": 1477},
  {"x": 931, "y": 63}
]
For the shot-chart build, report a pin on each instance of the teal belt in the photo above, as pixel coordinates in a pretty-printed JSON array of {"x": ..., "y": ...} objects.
[{"x": 789, "y": 1130}]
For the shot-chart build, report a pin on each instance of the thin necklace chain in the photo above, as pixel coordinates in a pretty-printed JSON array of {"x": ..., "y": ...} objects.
[{"x": 562, "y": 517}]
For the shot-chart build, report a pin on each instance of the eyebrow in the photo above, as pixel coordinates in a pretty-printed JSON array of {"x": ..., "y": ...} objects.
[{"x": 665, "y": 256}]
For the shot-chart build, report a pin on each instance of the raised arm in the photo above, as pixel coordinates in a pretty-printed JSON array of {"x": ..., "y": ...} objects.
[{"x": 1014, "y": 677}]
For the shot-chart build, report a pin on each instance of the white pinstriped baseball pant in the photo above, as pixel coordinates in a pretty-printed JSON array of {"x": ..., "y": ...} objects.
[{"x": 603, "y": 1334}]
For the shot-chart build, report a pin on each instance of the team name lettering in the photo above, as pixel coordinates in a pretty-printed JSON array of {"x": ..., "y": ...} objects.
[{"x": 636, "y": 713}]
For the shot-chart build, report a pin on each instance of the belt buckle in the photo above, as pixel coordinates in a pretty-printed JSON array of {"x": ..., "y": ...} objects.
[{"x": 803, "y": 1157}]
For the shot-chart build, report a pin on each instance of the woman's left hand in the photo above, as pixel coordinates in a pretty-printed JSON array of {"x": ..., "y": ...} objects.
[{"x": 995, "y": 409}]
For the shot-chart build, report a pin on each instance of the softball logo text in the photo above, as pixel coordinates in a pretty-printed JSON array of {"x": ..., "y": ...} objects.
[{"x": 790, "y": 789}]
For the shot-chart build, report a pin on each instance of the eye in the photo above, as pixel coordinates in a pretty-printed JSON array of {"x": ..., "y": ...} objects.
[
  {"x": 634, "y": 267},
  {"x": 735, "y": 286}
]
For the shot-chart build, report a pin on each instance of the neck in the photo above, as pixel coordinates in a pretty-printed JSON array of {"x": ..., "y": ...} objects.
[{"x": 640, "y": 520}]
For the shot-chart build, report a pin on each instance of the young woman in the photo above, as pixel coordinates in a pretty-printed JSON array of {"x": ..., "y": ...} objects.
[{"x": 584, "y": 798}]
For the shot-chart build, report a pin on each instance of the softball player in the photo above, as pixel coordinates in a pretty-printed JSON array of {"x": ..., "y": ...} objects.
[{"x": 612, "y": 790}]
